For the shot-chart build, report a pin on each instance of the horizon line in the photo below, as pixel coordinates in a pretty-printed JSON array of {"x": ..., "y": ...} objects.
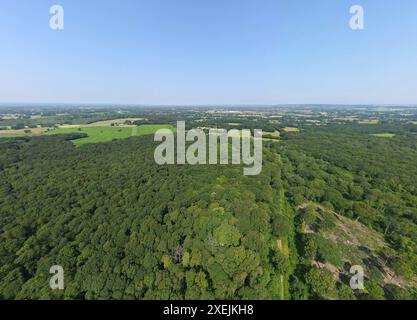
[{"x": 118, "y": 104}]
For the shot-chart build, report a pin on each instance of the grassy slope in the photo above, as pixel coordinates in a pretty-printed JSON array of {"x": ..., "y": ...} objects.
[{"x": 356, "y": 244}]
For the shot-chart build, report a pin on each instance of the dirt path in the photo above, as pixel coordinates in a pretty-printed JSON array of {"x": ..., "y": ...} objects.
[{"x": 281, "y": 277}]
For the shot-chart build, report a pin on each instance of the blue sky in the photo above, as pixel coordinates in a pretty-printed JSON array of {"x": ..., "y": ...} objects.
[{"x": 209, "y": 52}]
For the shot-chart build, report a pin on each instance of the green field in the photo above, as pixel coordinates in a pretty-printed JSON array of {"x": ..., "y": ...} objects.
[
  {"x": 368, "y": 122},
  {"x": 150, "y": 129},
  {"x": 275, "y": 134},
  {"x": 271, "y": 136},
  {"x": 291, "y": 129},
  {"x": 105, "y": 134},
  {"x": 383, "y": 135}
]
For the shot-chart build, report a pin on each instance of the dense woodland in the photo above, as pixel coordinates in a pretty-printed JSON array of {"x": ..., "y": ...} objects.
[
  {"x": 125, "y": 228},
  {"x": 367, "y": 179}
]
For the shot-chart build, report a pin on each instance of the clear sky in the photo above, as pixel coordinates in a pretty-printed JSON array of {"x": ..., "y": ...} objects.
[{"x": 209, "y": 52}]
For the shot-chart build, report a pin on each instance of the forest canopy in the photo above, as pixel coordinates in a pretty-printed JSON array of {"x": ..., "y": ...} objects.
[{"x": 123, "y": 227}]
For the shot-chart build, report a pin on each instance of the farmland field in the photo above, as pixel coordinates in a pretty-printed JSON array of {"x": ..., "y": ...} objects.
[
  {"x": 368, "y": 122},
  {"x": 270, "y": 136},
  {"x": 21, "y": 132},
  {"x": 383, "y": 135},
  {"x": 105, "y": 134},
  {"x": 103, "y": 123},
  {"x": 291, "y": 129},
  {"x": 274, "y": 134},
  {"x": 150, "y": 129}
]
